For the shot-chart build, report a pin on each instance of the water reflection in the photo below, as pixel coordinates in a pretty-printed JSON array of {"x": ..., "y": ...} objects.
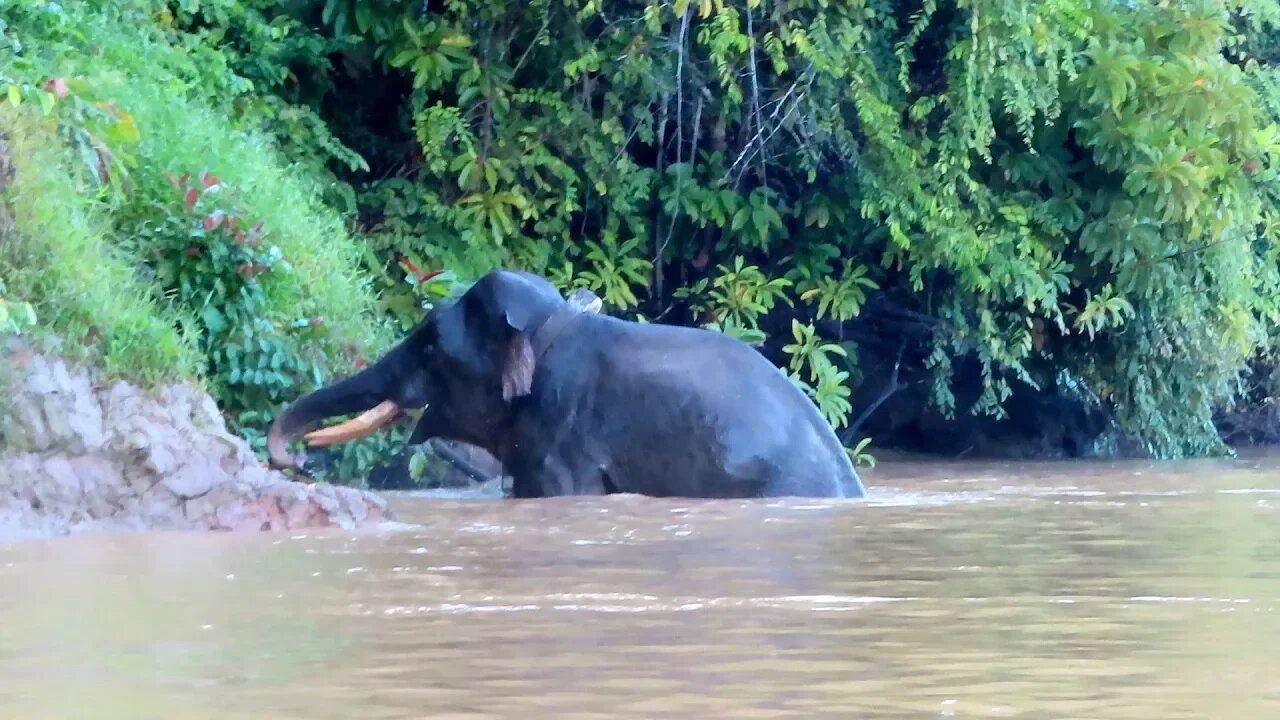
[{"x": 1127, "y": 590}]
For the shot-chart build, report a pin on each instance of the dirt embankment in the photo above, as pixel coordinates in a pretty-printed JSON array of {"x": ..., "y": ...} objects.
[{"x": 78, "y": 454}]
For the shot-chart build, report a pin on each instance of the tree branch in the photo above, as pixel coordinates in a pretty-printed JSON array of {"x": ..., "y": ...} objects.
[
  {"x": 461, "y": 464},
  {"x": 657, "y": 232},
  {"x": 755, "y": 88},
  {"x": 671, "y": 228},
  {"x": 893, "y": 386},
  {"x": 758, "y": 140},
  {"x": 546, "y": 19}
]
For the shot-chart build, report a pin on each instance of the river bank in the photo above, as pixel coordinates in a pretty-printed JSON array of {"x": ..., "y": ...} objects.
[{"x": 80, "y": 453}]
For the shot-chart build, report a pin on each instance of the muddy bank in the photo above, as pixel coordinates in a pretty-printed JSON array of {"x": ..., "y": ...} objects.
[{"x": 79, "y": 454}]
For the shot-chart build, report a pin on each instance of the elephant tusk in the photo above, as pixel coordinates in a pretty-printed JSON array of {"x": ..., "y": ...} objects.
[{"x": 357, "y": 427}]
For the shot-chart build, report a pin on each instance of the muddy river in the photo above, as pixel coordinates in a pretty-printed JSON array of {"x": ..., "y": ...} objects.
[{"x": 966, "y": 590}]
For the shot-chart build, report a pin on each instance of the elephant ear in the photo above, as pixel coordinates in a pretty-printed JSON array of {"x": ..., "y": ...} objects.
[
  {"x": 517, "y": 355},
  {"x": 517, "y": 367}
]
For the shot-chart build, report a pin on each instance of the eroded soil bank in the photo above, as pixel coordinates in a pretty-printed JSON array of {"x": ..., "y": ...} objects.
[{"x": 78, "y": 453}]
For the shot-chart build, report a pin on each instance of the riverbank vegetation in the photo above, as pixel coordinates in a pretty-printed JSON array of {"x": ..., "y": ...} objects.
[{"x": 983, "y": 206}]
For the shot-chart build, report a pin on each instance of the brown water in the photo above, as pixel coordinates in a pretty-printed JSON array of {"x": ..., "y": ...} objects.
[{"x": 1048, "y": 590}]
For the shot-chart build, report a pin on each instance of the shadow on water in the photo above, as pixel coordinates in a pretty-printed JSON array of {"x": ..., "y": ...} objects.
[{"x": 1034, "y": 590}]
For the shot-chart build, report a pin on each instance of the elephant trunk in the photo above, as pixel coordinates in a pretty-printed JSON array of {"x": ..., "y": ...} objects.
[{"x": 362, "y": 391}]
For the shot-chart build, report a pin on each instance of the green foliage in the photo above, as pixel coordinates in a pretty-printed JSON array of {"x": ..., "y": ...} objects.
[
  {"x": 207, "y": 256},
  {"x": 56, "y": 254},
  {"x": 1079, "y": 186},
  {"x": 16, "y": 316},
  {"x": 859, "y": 454},
  {"x": 1082, "y": 187},
  {"x": 245, "y": 278},
  {"x": 1074, "y": 188},
  {"x": 735, "y": 299}
]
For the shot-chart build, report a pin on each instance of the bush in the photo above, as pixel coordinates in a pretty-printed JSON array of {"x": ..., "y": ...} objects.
[
  {"x": 57, "y": 256},
  {"x": 132, "y": 268},
  {"x": 1078, "y": 200},
  {"x": 1078, "y": 197}
]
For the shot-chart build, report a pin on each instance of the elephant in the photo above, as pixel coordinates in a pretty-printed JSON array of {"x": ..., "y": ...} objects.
[{"x": 575, "y": 402}]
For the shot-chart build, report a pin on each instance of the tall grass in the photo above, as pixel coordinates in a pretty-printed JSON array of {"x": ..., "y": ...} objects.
[
  {"x": 181, "y": 102},
  {"x": 76, "y": 247},
  {"x": 58, "y": 255},
  {"x": 184, "y": 129}
]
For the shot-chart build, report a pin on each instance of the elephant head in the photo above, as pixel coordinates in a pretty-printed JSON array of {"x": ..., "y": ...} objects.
[{"x": 466, "y": 363}]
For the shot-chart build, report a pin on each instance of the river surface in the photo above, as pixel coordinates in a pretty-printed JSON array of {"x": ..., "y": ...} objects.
[{"x": 966, "y": 590}]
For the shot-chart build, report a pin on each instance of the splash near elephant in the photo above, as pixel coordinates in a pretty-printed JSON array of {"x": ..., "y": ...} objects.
[{"x": 573, "y": 402}]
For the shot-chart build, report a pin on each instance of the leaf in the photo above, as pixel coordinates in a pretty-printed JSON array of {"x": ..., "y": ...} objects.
[
  {"x": 404, "y": 57},
  {"x": 417, "y": 464},
  {"x": 47, "y": 102},
  {"x": 189, "y": 199},
  {"x": 15, "y": 96},
  {"x": 214, "y": 320},
  {"x": 125, "y": 129},
  {"x": 28, "y": 313},
  {"x": 57, "y": 86}
]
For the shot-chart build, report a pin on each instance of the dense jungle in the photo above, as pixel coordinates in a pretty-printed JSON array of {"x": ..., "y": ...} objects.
[{"x": 986, "y": 227}]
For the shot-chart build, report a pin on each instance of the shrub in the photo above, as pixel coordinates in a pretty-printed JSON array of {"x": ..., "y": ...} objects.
[
  {"x": 58, "y": 257},
  {"x": 131, "y": 268},
  {"x": 1076, "y": 197}
]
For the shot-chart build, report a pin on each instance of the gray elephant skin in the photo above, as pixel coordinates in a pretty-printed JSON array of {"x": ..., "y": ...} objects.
[{"x": 578, "y": 403}]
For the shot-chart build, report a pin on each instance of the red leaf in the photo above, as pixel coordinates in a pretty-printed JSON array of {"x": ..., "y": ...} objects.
[
  {"x": 57, "y": 86},
  {"x": 257, "y": 228},
  {"x": 418, "y": 272},
  {"x": 190, "y": 199},
  {"x": 239, "y": 237},
  {"x": 361, "y": 362},
  {"x": 185, "y": 177},
  {"x": 208, "y": 180},
  {"x": 213, "y": 220}
]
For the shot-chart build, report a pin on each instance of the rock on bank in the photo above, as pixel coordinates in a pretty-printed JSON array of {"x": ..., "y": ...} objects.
[{"x": 77, "y": 454}]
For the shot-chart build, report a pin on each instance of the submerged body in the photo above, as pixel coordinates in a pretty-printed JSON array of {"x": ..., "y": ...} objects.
[{"x": 576, "y": 403}]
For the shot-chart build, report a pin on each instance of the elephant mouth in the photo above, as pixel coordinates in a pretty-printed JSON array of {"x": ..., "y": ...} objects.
[{"x": 364, "y": 424}]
